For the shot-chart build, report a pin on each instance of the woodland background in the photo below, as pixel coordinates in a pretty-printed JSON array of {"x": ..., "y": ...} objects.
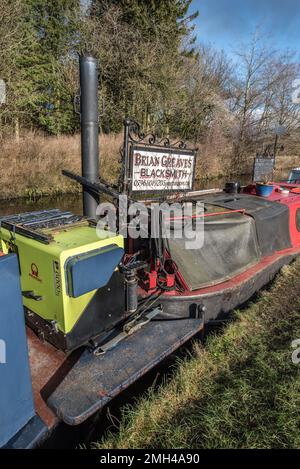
[{"x": 152, "y": 68}]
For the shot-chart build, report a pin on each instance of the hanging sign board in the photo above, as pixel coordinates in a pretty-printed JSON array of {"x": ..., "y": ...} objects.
[
  {"x": 162, "y": 169},
  {"x": 263, "y": 169}
]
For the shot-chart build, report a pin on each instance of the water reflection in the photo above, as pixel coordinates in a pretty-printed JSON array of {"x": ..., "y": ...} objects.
[{"x": 73, "y": 202}]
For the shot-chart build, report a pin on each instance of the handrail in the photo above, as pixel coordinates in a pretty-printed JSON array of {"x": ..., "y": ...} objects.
[{"x": 226, "y": 212}]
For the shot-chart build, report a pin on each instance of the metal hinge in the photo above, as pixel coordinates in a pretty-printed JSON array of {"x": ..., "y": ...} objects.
[{"x": 128, "y": 329}]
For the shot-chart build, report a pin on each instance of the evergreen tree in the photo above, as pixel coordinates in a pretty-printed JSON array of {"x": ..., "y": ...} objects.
[
  {"x": 53, "y": 33},
  {"x": 141, "y": 51}
]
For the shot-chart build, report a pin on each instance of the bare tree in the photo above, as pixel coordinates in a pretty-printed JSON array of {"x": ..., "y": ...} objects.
[
  {"x": 248, "y": 92},
  {"x": 285, "y": 114}
]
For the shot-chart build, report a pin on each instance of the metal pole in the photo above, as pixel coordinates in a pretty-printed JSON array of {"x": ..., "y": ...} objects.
[
  {"x": 125, "y": 185},
  {"x": 89, "y": 130},
  {"x": 125, "y": 161},
  {"x": 275, "y": 149}
]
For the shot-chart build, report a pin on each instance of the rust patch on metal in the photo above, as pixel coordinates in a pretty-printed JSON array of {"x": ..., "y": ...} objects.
[
  {"x": 44, "y": 360},
  {"x": 102, "y": 392}
]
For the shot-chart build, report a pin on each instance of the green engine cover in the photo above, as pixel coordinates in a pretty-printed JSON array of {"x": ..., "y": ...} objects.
[{"x": 43, "y": 268}]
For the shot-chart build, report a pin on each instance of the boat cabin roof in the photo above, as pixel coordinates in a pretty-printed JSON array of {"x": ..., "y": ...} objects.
[
  {"x": 271, "y": 218},
  {"x": 284, "y": 193}
]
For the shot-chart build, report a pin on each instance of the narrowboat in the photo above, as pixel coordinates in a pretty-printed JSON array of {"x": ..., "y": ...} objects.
[{"x": 86, "y": 310}]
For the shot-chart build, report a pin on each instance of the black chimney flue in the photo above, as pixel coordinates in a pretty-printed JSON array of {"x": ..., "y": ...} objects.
[{"x": 89, "y": 130}]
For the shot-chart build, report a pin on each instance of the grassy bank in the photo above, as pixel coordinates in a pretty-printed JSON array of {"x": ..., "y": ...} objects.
[
  {"x": 32, "y": 166},
  {"x": 240, "y": 391}
]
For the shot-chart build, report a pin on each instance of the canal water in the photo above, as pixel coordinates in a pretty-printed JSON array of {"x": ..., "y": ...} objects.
[
  {"x": 67, "y": 202},
  {"x": 73, "y": 202}
]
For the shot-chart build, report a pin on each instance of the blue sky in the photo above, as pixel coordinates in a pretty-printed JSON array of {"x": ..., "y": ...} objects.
[{"x": 227, "y": 23}]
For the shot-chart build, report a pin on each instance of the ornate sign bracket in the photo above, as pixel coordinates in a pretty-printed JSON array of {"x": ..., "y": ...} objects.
[{"x": 152, "y": 148}]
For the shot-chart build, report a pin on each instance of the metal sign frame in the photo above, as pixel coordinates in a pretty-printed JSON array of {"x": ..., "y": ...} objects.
[
  {"x": 134, "y": 139},
  {"x": 259, "y": 160}
]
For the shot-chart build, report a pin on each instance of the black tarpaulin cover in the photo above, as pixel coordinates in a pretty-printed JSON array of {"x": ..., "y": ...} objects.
[
  {"x": 271, "y": 219},
  {"x": 230, "y": 246}
]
